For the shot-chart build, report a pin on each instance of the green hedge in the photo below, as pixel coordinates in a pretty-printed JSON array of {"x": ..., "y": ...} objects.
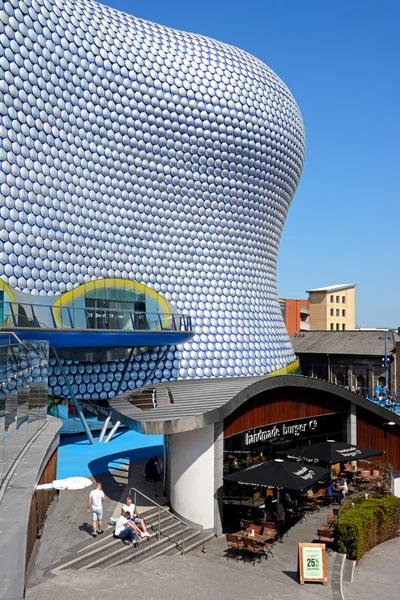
[{"x": 367, "y": 524}]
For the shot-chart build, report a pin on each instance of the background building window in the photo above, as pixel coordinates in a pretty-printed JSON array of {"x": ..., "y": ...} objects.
[
  {"x": 343, "y": 327},
  {"x": 331, "y": 312},
  {"x": 337, "y": 326},
  {"x": 331, "y": 326},
  {"x": 343, "y": 299},
  {"x": 343, "y": 312},
  {"x": 360, "y": 381},
  {"x": 337, "y": 312},
  {"x": 332, "y": 298},
  {"x": 337, "y": 299}
]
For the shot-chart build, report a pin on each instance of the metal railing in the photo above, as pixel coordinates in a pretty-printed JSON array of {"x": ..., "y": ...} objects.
[
  {"x": 375, "y": 489},
  {"x": 161, "y": 508},
  {"x": 390, "y": 400},
  {"x": 381, "y": 484},
  {"x": 23, "y": 398},
  {"x": 37, "y": 316}
]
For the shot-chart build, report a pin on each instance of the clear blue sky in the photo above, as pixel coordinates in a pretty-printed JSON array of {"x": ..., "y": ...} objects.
[{"x": 341, "y": 61}]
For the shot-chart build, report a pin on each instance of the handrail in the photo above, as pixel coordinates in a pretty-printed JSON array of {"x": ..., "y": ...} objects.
[
  {"x": 16, "y": 337},
  {"x": 371, "y": 490},
  {"x": 160, "y": 508},
  {"x": 21, "y": 315}
]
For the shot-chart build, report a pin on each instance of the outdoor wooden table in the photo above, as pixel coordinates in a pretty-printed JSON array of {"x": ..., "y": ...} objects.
[{"x": 271, "y": 534}]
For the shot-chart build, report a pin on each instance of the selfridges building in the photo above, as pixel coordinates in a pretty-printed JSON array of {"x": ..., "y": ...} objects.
[{"x": 144, "y": 170}]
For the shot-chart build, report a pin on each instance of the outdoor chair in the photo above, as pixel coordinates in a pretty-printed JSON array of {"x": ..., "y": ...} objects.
[
  {"x": 331, "y": 519},
  {"x": 267, "y": 547},
  {"x": 245, "y": 523},
  {"x": 235, "y": 545},
  {"x": 268, "y": 524},
  {"x": 253, "y": 549},
  {"x": 312, "y": 503},
  {"x": 326, "y": 536},
  {"x": 364, "y": 476},
  {"x": 331, "y": 523}
]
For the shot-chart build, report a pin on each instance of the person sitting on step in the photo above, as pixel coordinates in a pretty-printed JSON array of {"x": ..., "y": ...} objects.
[
  {"x": 134, "y": 517},
  {"x": 124, "y": 529}
]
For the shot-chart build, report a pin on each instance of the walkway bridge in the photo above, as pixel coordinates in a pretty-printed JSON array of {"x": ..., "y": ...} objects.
[{"x": 71, "y": 327}]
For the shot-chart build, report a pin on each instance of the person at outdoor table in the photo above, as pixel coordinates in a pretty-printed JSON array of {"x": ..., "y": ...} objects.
[
  {"x": 268, "y": 508},
  {"x": 287, "y": 501},
  {"x": 341, "y": 486},
  {"x": 280, "y": 513},
  {"x": 331, "y": 494}
]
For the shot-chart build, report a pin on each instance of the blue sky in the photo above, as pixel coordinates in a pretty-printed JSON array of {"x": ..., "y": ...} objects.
[{"x": 341, "y": 61}]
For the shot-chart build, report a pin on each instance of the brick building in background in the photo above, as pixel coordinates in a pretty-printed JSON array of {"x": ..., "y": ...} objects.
[{"x": 296, "y": 314}]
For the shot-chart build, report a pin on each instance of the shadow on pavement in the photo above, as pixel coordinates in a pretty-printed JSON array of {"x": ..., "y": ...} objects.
[
  {"x": 86, "y": 527},
  {"x": 103, "y": 466},
  {"x": 292, "y": 575}
]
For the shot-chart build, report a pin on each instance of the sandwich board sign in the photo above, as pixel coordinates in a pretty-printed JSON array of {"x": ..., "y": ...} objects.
[{"x": 312, "y": 563}]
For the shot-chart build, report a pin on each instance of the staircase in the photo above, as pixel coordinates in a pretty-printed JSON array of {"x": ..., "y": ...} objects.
[
  {"x": 107, "y": 552},
  {"x": 144, "y": 398}
]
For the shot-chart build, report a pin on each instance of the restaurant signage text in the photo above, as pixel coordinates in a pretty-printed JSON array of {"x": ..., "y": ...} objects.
[{"x": 281, "y": 431}]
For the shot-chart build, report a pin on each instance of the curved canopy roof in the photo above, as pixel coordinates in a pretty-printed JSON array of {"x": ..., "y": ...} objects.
[{"x": 189, "y": 404}]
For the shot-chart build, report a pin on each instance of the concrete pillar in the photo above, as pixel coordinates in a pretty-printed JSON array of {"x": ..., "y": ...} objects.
[
  {"x": 192, "y": 482},
  {"x": 352, "y": 425},
  {"x": 349, "y": 375}
]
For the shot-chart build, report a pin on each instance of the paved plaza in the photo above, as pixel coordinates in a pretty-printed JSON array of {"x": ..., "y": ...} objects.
[
  {"x": 377, "y": 575},
  {"x": 197, "y": 575}
]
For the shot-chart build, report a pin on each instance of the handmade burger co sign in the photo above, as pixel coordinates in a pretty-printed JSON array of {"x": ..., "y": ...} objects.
[{"x": 281, "y": 431}]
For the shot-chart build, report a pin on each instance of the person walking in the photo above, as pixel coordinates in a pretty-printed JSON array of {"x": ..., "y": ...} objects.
[{"x": 95, "y": 506}]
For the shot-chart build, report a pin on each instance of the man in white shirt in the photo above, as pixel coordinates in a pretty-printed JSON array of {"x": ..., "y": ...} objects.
[
  {"x": 124, "y": 529},
  {"x": 131, "y": 509},
  {"x": 95, "y": 505}
]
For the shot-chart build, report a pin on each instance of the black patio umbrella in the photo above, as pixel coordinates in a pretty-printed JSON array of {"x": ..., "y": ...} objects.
[
  {"x": 330, "y": 452},
  {"x": 279, "y": 474}
]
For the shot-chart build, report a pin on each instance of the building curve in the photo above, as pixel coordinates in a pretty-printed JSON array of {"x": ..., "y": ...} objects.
[{"x": 131, "y": 150}]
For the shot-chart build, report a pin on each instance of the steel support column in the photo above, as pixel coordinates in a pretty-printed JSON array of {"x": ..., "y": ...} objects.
[{"x": 74, "y": 400}]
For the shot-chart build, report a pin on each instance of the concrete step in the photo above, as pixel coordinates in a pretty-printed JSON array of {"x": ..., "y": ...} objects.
[
  {"x": 196, "y": 543},
  {"x": 170, "y": 545},
  {"x": 124, "y": 553},
  {"x": 106, "y": 543},
  {"x": 110, "y": 554}
]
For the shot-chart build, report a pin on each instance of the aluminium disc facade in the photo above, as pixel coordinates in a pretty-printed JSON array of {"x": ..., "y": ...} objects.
[{"x": 130, "y": 150}]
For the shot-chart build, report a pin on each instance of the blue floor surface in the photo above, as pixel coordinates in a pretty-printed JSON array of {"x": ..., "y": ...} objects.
[{"x": 77, "y": 457}]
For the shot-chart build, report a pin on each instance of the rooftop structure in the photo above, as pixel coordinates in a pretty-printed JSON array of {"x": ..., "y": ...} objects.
[
  {"x": 333, "y": 288},
  {"x": 361, "y": 343},
  {"x": 332, "y": 308}
]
